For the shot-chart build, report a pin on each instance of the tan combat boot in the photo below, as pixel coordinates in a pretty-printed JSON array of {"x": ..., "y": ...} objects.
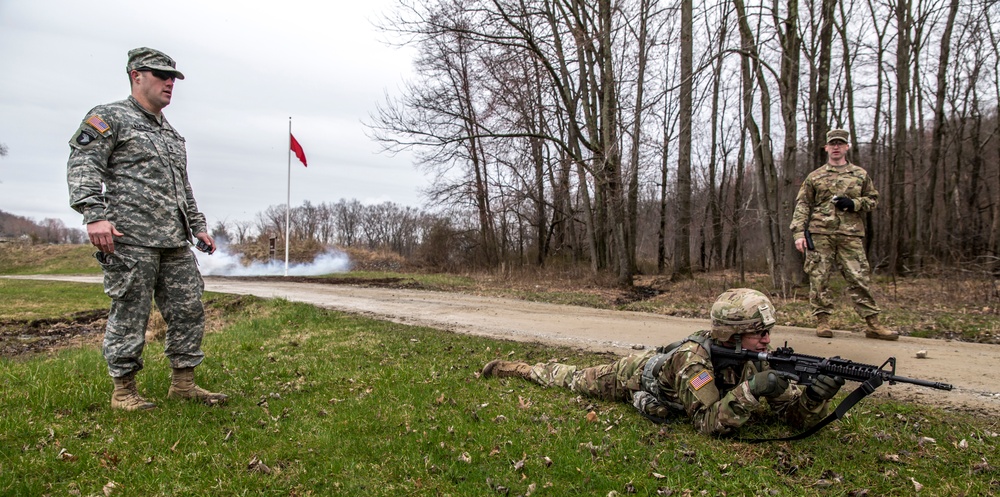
[
  {"x": 876, "y": 330},
  {"x": 507, "y": 369},
  {"x": 182, "y": 387},
  {"x": 823, "y": 326},
  {"x": 126, "y": 395}
]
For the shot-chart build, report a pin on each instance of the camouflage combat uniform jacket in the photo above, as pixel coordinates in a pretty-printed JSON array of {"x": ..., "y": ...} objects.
[
  {"x": 814, "y": 205},
  {"x": 718, "y": 401},
  {"x": 141, "y": 161}
]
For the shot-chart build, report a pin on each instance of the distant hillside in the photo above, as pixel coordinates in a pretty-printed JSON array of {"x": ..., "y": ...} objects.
[{"x": 49, "y": 230}]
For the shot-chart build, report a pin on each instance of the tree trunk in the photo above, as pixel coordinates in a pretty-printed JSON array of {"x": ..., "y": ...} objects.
[
  {"x": 788, "y": 87},
  {"x": 897, "y": 201},
  {"x": 682, "y": 228},
  {"x": 940, "y": 129},
  {"x": 768, "y": 199}
]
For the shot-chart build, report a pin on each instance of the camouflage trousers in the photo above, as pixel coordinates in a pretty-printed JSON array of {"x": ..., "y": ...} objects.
[
  {"x": 615, "y": 381},
  {"x": 135, "y": 276},
  {"x": 847, "y": 252}
]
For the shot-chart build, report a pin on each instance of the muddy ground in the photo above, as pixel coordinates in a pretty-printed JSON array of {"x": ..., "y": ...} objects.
[{"x": 19, "y": 337}]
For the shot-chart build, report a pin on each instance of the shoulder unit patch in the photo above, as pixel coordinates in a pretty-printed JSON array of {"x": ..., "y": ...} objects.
[{"x": 84, "y": 137}]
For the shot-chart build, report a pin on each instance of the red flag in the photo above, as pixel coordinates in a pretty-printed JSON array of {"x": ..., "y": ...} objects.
[{"x": 301, "y": 154}]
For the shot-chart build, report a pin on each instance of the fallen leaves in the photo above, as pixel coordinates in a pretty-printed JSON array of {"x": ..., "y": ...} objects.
[
  {"x": 109, "y": 460},
  {"x": 891, "y": 458},
  {"x": 981, "y": 467},
  {"x": 64, "y": 455},
  {"x": 258, "y": 466}
]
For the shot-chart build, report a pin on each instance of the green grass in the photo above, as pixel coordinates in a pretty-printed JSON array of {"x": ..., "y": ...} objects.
[
  {"x": 31, "y": 299},
  {"x": 48, "y": 259},
  {"x": 335, "y": 404}
]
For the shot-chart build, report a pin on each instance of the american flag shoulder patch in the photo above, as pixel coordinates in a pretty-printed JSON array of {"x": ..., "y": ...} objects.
[
  {"x": 703, "y": 378},
  {"x": 97, "y": 123}
]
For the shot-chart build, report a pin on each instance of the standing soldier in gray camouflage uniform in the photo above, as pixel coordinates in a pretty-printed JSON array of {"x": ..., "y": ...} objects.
[
  {"x": 127, "y": 175},
  {"x": 719, "y": 398},
  {"x": 830, "y": 204}
]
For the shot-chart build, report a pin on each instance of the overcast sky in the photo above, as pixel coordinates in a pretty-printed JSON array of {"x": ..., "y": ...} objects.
[{"x": 249, "y": 66}]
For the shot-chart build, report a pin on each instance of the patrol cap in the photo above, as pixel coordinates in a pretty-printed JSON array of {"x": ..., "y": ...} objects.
[
  {"x": 837, "y": 135},
  {"x": 148, "y": 58}
]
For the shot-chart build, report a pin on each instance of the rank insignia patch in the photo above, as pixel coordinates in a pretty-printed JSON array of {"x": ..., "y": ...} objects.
[
  {"x": 98, "y": 124},
  {"x": 703, "y": 378}
]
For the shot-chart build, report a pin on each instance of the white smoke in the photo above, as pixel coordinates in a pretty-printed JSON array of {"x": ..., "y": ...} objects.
[{"x": 222, "y": 263}]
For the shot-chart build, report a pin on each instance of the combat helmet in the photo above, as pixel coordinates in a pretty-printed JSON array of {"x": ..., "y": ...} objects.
[{"x": 741, "y": 310}]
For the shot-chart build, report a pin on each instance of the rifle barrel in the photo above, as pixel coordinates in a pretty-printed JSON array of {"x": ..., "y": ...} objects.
[{"x": 924, "y": 383}]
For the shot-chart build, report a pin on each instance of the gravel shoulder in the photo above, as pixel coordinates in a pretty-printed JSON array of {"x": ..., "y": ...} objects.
[{"x": 965, "y": 365}]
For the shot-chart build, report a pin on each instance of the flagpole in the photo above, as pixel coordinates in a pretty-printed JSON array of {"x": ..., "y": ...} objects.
[{"x": 288, "y": 199}]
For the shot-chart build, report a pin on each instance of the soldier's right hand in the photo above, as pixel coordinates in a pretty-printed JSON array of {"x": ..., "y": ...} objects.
[
  {"x": 101, "y": 234},
  {"x": 801, "y": 245},
  {"x": 768, "y": 384}
]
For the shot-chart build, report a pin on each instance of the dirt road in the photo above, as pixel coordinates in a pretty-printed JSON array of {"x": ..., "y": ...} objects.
[{"x": 969, "y": 367}]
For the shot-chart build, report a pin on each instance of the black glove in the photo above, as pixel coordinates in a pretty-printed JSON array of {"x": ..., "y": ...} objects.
[
  {"x": 844, "y": 204},
  {"x": 768, "y": 384},
  {"x": 824, "y": 388}
]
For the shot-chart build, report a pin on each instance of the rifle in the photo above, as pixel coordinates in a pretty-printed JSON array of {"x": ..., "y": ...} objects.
[{"x": 805, "y": 368}]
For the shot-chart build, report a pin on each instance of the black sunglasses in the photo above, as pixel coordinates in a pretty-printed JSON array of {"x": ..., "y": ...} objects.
[
  {"x": 161, "y": 75},
  {"x": 762, "y": 333}
]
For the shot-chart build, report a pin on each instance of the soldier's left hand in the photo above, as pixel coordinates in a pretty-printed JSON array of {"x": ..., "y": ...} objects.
[
  {"x": 205, "y": 237},
  {"x": 844, "y": 204},
  {"x": 824, "y": 388}
]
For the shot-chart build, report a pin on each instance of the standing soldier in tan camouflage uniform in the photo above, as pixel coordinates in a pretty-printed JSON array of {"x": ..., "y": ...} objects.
[
  {"x": 829, "y": 205},
  {"x": 127, "y": 175},
  {"x": 718, "y": 397}
]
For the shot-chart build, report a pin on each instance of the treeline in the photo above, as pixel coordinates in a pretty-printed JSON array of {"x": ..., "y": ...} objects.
[
  {"x": 434, "y": 240},
  {"x": 672, "y": 136},
  {"x": 49, "y": 230}
]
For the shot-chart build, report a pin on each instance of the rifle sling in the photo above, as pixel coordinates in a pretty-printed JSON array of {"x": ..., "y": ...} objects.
[{"x": 859, "y": 393}]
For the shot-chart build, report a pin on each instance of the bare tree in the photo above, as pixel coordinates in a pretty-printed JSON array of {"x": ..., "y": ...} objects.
[
  {"x": 788, "y": 90},
  {"x": 760, "y": 141},
  {"x": 897, "y": 201},
  {"x": 924, "y": 229},
  {"x": 682, "y": 231},
  {"x": 534, "y": 116}
]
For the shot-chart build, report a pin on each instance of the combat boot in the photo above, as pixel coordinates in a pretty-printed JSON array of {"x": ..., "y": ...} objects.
[
  {"x": 877, "y": 330},
  {"x": 823, "y": 326},
  {"x": 507, "y": 369},
  {"x": 126, "y": 395},
  {"x": 182, "y": 386}
]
